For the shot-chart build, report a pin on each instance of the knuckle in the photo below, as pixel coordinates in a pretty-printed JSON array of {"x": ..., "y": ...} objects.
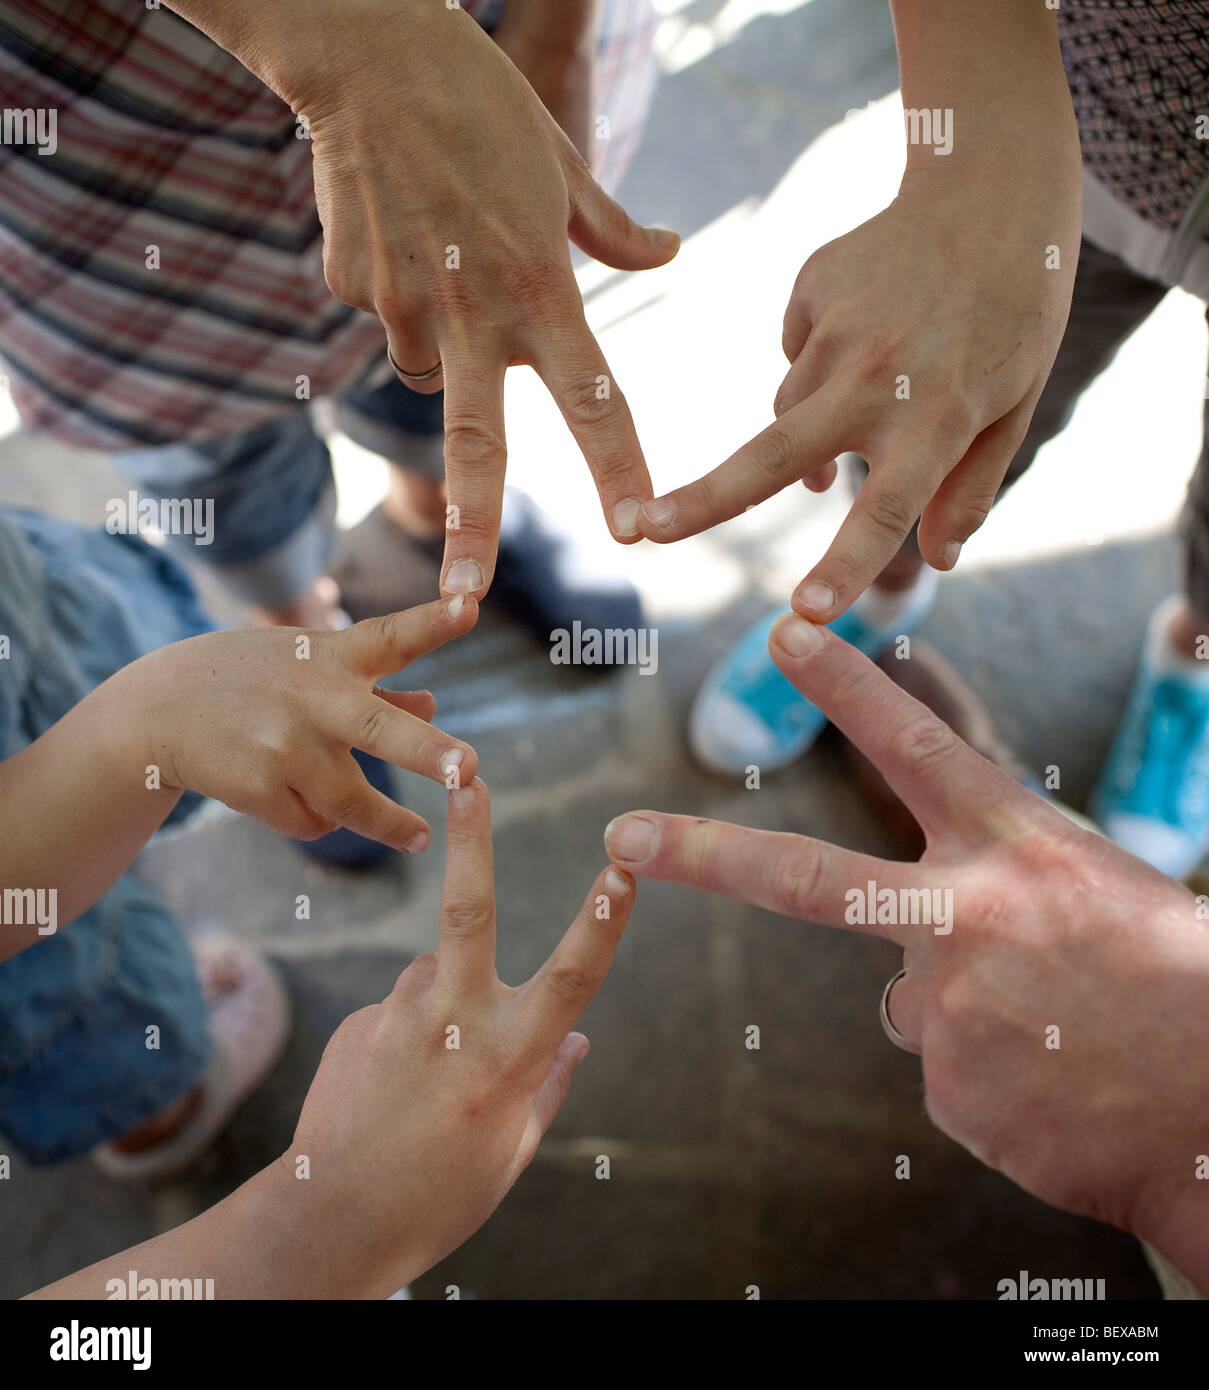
[
  {"x": 571, "y": 983},
  {"x": 889, "y": 513},
  {"x": 472, "y": 441},
  {"x": 418, "y": 974},
  {"x": 922, "y": 741},
  {"x": 586, "y": 406},
  {"x": 530, "y": 282},
  {"x": 373, "y": 725},
  {"x": 313, "y": 828},
  {"x": 467, "y": 918},
  {"x": 772, "y": 453},
  {"x": 352, "y": 806},
  {"x": 396, "y": 305},
  {"x": 796, "y": 877}
]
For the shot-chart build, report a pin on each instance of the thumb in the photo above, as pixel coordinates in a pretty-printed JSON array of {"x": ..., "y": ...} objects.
[
  {"x": 604, "y": 229},
  {"x": 557, "y": 1085}
]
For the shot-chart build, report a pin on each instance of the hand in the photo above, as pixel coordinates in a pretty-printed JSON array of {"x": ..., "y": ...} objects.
[
  {"x": 1054, "y": 928},
  {"x": 264, "y": 719},
  {"x": 945, "y": 295},
  {"x": 427, "y": 1107},
  {"x": 447, "y": 193},
  {"x": 553, "y": 43}
]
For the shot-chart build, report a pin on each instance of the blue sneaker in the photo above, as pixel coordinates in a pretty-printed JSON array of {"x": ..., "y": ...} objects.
[
  {"x": 746, "y": 713},
  {"x": 1153, "y": 794}
]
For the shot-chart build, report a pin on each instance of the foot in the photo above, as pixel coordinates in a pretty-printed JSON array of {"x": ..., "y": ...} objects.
[
  {"x": 747, "y": 714},
  {"x": 542, "y": 578},
  {"x": 249, "y": 1020},
  {"x": 1153, "y": 792}
]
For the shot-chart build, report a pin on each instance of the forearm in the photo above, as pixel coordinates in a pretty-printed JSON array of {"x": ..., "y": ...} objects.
[
  {"x": 997, "y": 67},
  {"x": 235, "y": 1244},
  {"x": 270, "y": 1239},
  {"x": 559, "y": 25},
  {"x": 75, "y": 809}
]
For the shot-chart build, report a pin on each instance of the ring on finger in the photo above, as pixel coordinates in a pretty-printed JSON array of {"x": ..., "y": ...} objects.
[
  {"x": 410, "y": 376},
  {"x": 883, "y": 1010}
]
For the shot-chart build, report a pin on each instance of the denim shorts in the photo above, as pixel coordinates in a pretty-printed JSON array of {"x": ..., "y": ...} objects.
[{"x": 75, "y": 1069}]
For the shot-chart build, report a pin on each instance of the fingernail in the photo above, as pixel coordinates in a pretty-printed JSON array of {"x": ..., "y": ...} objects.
[
  {"x": 456, "y": 604},
  {"x": 418, "y": 842},
  {"x": 451, "y": 761},
  {"x": 464, "y": 577},
  {"x": 631, "y": 838},
  {"x": 796, "y": 636},
  {"x": 819, "y": 598},
  {"x": 661, "y": 512},
  {"x": 952, "y": 551},
  {"x": 461, "y": 798},
  {"x": 625, "y": 517},
  {"x": 615, "y": 883}
]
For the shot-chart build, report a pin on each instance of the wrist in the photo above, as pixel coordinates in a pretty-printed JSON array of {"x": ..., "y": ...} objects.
[
  {"x": 303, "y": 49},
  {"x": 317, "y": 1236}
]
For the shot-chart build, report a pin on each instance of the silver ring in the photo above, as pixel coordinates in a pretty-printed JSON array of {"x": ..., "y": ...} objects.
[
  {"x": 407, "y": 376},
  {"x": 887, "y": 1022}
]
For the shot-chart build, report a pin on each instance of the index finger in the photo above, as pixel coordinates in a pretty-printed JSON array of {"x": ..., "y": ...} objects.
[
  {"x": 870, "y": 536},
  {"x": 569, "y": 360},
  {"x": 466, "y": 953},
  {"x": 560, "y": 991},
  {"x": 476, "y": 460},
  {"x": 945, "y": 784},
  {"x": 789, "y": 874},
  {"x": 802, "y": 441}
]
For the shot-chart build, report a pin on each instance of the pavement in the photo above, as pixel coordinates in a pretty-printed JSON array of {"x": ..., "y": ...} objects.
[{"x": 729, "y": 1167}]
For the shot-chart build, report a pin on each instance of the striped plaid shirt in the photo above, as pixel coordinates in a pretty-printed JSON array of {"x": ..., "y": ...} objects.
[{"x": 161, "y": 272}]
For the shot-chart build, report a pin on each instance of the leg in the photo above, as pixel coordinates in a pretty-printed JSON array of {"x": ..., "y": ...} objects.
[
  {"x": 1153, "y": 794},
  {"x": 271, "y": 503}
]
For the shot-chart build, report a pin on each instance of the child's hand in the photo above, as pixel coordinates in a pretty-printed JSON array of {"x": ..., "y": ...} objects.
[
  {"x": 428, "y": 1106},
  {"x": 921, "y": 341},
  {"x": 264, "y": 720}
]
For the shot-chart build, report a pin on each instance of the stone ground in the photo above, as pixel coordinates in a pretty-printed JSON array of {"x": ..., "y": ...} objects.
[{"x": 728, "y": 1167}]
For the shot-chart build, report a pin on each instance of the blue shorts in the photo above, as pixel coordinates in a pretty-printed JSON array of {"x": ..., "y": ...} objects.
[{"x": 76, "y": 605}]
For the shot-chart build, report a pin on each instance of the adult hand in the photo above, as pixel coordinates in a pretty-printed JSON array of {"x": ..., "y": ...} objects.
[
  {"x": 447, "y": 193},
  {"x": 264, "y": 719},
  {"x": 427, "y": 1107},
  {"x": 1060, "y": 1019}
]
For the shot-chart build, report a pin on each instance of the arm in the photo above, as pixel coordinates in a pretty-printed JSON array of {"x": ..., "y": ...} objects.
[
  {"x": 262, "y": 719},
  {"x": 553, "y": 42},
  {"x": 1051, "y": 927},
  {"x": 405, "y": 1146},
  {"x": 922, "y": 339},
  {"x": 75, "y": 809}
]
